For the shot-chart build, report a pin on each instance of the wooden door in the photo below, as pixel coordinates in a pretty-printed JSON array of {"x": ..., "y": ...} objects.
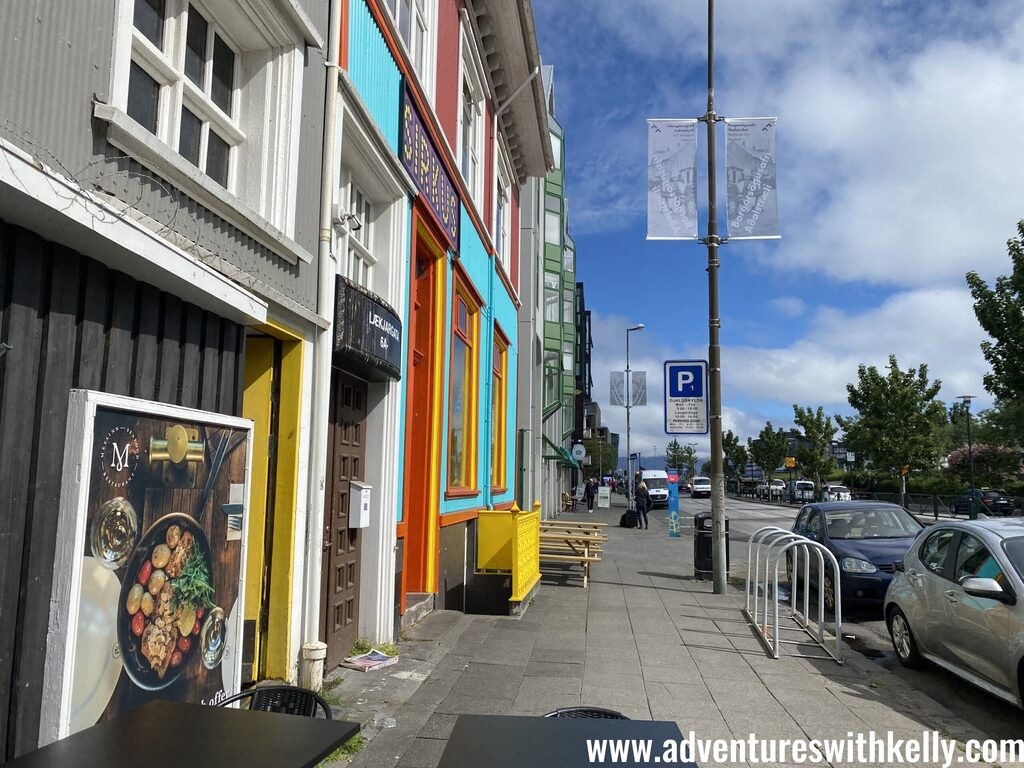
[{"x": 346, "y": 453}]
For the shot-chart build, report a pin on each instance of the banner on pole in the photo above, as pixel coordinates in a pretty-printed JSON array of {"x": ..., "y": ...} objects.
[
  {"x": 638, "y": 388},
  {"x": 750, "y": 175},
  {"x": 672, "y": 179},
  {"x": 617, "y": 388}
]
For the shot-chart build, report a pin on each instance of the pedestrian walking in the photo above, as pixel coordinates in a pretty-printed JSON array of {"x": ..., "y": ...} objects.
[
  {"x": 588, "y": 494},
  {"x": 643, "y": 503}
]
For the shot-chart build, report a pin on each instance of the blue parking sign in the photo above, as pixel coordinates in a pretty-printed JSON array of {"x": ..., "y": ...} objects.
[{"x": 686, "y": 402}]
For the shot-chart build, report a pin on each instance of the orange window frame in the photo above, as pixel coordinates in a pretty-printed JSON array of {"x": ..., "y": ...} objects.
[
  {"x": 499, "y": 411},
  {"x": 467, "y": 335}
]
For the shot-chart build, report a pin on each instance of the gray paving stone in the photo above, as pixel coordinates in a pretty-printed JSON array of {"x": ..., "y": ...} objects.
[
  {"x": 423, "y": 753},
  {"x": 553, "y": 669}
]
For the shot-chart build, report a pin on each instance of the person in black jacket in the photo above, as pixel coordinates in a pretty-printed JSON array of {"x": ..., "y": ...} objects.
[
  {"x": 643, "y": 503},
  {"x": 588, "y": 494}
]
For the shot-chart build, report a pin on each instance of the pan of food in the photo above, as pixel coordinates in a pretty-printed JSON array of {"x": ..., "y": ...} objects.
[{"x": 165, "y": 593}]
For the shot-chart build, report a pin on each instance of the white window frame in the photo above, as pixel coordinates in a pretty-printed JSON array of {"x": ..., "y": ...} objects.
[
  {"x": 422, "y": 56},
  {"x": 502, "y": 227},
  {"x": 472, "y": 79},
  {"x": 360, "y": 262},
  {"x": 178, "y": 92},
  {"x": 269, "y": 39}
]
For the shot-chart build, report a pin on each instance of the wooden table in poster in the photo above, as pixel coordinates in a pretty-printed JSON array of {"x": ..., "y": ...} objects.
[
  {"x": 166, "y": 733},
  {"x": 507, "y": 741}
]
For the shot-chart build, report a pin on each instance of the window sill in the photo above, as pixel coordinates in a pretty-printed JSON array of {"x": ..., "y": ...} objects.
[
  {"x": 130, "y": 137},
  {"x": 460, "y": 493},
  {"x": 498, "y": 490}
]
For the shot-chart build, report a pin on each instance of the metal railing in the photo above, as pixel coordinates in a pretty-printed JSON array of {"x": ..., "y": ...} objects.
[{"x": 778, "y": 545}]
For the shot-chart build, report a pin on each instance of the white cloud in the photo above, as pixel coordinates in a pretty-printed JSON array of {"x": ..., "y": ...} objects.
[{"x": 789, "y": 306}]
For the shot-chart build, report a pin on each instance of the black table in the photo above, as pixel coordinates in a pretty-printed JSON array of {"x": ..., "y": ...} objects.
[
  {"x": 507, "y": 741},
  {"x": 166, "y": 733}
]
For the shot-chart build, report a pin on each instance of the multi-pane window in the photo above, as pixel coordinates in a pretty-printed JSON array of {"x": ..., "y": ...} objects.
[
  {"x": 502, "y": 211},
  {"x": 551, "y": 293},
  {"x": 568, "y": 260},
  {"x": 568, "y": 307},
  {"x": 471, "y": 122},
  {"x": 360, "y": 259},
  {"x": 499, "y": 400},
  {"x": 461, "y": 432},
  {"x": 412, "y": 17},
  {"x": 182, "y": 83},
  {"x": 556, "y": 149},
  {"x": 470, "y": 128},
  {"x": 567, "y": 356},
  {"x": 552, "y": 378}
]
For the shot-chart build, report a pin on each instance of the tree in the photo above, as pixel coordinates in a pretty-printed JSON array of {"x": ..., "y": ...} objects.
[
  {"x": 993, "y": 464},
  {"x": 736, "y": 455},
  {"x": 1000, "y": 311},
  {"x": 705, "y": 469},
  {"x": 769, "y": 450},
  {"x": 681, "y": 457},
  {"x": 813, "y": 449},
  {"x": 602, "y": 457},
  {"x": 899, "y": 423}
]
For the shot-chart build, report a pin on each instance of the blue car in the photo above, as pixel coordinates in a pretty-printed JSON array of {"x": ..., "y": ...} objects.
[{"x": 866, "y": 537}]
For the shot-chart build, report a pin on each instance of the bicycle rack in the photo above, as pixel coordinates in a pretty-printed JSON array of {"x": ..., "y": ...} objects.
[{"x": 774, "y": 543}]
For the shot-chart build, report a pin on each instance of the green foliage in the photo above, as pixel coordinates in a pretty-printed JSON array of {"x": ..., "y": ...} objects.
[
  {"x": 602, "y": 457},
  {"x": 899, "y": 423},
  {"x": 365, "y": 645},
  {"x": 705, "y": 469},
  {"x": 813, "y": 452},
  {"x": 349, "y": 749},
  {"x": 1000, "y": 311},
  {"x": 735, "y": 453},
  {"x": 993, "y": 464},
  {"x": 681, "y": 457},
  {"x": 769, "y": 450}
]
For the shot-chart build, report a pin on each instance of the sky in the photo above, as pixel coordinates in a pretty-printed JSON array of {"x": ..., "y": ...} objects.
[{"x": 899, "y": 159}]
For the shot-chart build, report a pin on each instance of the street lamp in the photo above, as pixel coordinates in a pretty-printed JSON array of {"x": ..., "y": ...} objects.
[
  {"x": 966, "y": 400},
  {"x": 629, "y": 401}
]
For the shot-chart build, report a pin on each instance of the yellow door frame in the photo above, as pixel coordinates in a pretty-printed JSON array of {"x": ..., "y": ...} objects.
[{"x": 272, "y": 653}]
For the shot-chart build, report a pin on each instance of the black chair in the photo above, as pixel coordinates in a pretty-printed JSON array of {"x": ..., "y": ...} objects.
[
  {"x": 599, "y": 713},
  {"x": 285, "y": 699}
]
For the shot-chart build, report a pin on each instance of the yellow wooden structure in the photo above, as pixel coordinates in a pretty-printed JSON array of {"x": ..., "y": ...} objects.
[{"x": 508, "y": 541}]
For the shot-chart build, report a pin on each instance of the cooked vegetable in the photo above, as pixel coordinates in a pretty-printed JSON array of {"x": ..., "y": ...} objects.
[
  {"x": 138, "y": 624},
  {"x": 161, "y": 554},
  {"x": 147, "y": 603},
  {"x": 193, "y": 587},
  {"x": 186, "y": 619},
  {"x": 184, "y": 644},
  {"x": 134, "y": 601},
  {"x": 173, "y": 535},
  {"x": 156, "y": 582},
  {"x": 144, "y": 573},
  {"x": 195, "y": 628},
  {"x": 176, "y": 658}
]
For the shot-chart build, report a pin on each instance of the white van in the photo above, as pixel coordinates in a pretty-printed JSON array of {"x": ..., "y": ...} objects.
[
  {"x": 835, "y": 492},
  {"x": 701, "y": 487},
  {"x": 800, "y": 490},
  {"x": 657, "y": 486}
]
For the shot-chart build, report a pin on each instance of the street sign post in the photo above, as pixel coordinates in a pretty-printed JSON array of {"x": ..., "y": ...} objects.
[{"x": 686, "y": 397}]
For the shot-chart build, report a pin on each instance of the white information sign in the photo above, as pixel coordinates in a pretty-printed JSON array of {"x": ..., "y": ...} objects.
[
  {"x": 604, "y": 497},
  {"x": 686, "y": 397}
]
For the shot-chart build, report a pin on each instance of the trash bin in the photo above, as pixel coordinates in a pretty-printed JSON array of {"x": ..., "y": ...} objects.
[{"x": 703, "y": 544}]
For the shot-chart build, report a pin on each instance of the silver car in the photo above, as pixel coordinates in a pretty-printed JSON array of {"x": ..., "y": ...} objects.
[{"x": 955, "y": 600}]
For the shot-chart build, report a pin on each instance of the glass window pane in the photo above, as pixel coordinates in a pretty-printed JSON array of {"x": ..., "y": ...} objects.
[
  {"x": 223, "y": 84},
  {"x": 462, "y": 319},
  {"x": 568, "y": 262},
  {"x": 551, "y": 292},
  {"x": 143, "y": 98},
  {"x": 195, "y": 46},
  {"x": 188, "y": 137},
  {"x": 420, "y": 46},
  {"x": 149, "y": 20},
  {"x": 553, "y": 203},
  {"x": 974, "y": 559},
  {"x": 556, "y": 150},
  {"x": 933, "y": 553},
  {"x": 457, "y": 458},
  {"x": 552, "y": 228},
  {"x": 218, "y": 155},
  {"x": 568, "y": 311},
  {"x": 405, "y": 21}
]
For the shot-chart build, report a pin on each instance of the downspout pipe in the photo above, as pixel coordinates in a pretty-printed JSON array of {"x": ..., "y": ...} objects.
[{"x": 322, "y": 345}]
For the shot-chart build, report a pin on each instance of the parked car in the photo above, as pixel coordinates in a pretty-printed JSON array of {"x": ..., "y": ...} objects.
[
  {"x": 700, "y": 486},
  {"x": 866, "y": 537},
  {"x": 835, "y": 492},
  {"x": 954, "y": 601},
  {"x": 990, "y": 502},
  {"x": 800, "y": 490},
  {"x": 657, "y": 486}
]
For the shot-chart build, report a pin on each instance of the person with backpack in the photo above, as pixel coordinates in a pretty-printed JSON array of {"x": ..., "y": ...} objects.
[{"x": 588, "y": 494}]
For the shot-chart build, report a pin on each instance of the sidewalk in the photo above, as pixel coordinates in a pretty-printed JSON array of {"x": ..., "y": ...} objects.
[{"x": 644, "y": 639}]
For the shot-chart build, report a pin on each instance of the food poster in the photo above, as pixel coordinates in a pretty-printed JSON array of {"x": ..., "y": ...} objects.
[{"x": 159, "y": 614}]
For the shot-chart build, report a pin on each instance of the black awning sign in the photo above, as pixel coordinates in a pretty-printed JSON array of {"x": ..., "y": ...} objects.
[
  {"x": 382, "y": 334},
  {"x": 367, "y": 333}
]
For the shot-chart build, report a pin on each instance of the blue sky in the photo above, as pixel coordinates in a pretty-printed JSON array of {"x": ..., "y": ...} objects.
[{"x": 900, "y": 167}]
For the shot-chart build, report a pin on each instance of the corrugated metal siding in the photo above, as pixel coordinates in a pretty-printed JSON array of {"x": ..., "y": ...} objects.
[
  {"x": 54, "y": 55},
  {"x": 373, "y": 71}
]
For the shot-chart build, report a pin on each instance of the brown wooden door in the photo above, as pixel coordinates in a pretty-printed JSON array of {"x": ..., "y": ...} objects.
[{"x": 346, "y": 432}]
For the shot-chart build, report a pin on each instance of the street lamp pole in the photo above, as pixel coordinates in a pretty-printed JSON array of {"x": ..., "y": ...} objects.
[
  {"x": 966, "y": 400},
  {"x": 718, "y": 551},
  {"x": 629, "y": 401}
]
